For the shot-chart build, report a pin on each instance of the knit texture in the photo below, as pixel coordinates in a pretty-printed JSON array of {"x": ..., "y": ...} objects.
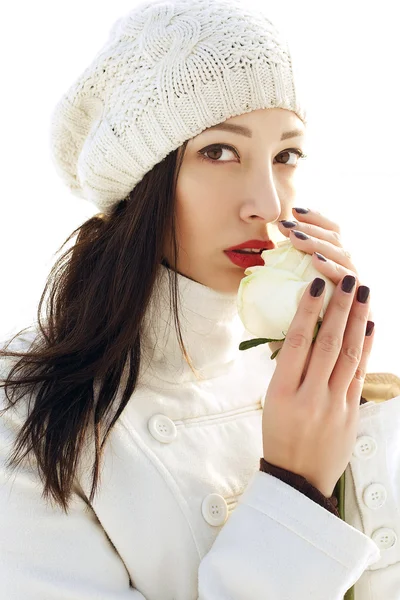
[{"x": 169, "y": 70}]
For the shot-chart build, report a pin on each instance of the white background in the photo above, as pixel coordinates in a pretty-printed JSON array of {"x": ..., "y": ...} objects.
[{"x": 348, "y": 56}]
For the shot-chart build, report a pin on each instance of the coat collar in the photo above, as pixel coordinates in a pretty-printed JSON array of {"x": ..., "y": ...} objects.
[{"x": 211, "y": 330}]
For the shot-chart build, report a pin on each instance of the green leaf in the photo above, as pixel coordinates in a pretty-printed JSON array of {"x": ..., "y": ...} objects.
[
  {"x": 274, "y": 354},
  {"x": 256, "y": 342}
]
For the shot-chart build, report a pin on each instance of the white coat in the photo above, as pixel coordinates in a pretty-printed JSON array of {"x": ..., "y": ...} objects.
[{"x": 183, "y": 512}]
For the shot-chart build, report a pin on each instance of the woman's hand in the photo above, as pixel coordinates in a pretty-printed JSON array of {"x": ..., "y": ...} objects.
[
  {"x": 311, "y": 413},
  {"x": 324, "y": 238}
]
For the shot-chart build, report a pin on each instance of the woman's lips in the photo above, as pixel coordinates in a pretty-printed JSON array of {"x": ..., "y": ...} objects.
[{"x": 245, "y": 260}]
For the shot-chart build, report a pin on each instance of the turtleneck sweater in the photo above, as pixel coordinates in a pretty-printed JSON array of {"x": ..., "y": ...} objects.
[{"x": 212, "y": 331}]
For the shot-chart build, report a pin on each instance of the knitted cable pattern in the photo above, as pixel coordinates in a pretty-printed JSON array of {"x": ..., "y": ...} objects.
[{"x": 169, "y": 70}]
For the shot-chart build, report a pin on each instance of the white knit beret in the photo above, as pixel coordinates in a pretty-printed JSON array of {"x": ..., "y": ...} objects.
[{"x": 169, "y": 70}]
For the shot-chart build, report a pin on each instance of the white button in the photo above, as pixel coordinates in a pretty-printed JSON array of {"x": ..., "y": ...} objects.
[
  {"x": 214, "y": 509},
  {"x": 375, "y": 495},
  {"x": 365, "y": 447},
  {"x": 384, "y": 538},
  {"x": 162, "y": 428}
]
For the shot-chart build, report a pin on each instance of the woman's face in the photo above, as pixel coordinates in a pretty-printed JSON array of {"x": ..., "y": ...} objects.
[{"x": 226, "y": 196}]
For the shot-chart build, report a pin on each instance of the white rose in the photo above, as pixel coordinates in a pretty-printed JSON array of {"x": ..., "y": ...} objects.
[{"x": 269, "y": 295}]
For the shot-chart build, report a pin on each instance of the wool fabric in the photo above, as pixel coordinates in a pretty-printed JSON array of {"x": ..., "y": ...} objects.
[{"x": 169, "y": 70}]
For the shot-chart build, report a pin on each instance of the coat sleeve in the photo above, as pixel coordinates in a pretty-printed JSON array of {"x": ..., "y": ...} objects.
[
  {"x": 302, "y": 484},
  {"x": 280, "y": 544}
]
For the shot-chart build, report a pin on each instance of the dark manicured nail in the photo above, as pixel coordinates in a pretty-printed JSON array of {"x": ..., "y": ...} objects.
[
  {"x": 363, "y": 293},
  {"x": 288, "y": 223},
  {"x": 301, "y": 235},
  {"x": 348, "y": 283},
  {"x": 317, "y": 287},
  {"x": 320, "y": 256},
  {"x": 302, "y": 211},
  {"x": 370, "y": 327}
]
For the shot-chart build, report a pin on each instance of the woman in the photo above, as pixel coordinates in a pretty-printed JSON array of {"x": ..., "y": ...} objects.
[{"x": 155, "y": 460}]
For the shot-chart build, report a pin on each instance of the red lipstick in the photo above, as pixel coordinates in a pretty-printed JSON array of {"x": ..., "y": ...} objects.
[{"x": 245, "y": 260}]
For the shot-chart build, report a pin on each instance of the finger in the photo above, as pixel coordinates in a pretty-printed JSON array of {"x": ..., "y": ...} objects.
[
  {"x": 335, "y": 273},
  {"x": 328, "y": 343},
  {"x": 311, "y": 230},
  {"x": 315, "y": 217},
  {"x": 355, "y": 388},
  {"x": 352, "y": 348},
  {"x": 311, "y": 244},
  {"x": 370, "y": 318},
  {"x": 298, "y": 341},
  {"x": 331, "y": 269}
]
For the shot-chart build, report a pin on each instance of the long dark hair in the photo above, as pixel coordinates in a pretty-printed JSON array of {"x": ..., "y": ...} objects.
[{"x": 99, "y": 290}]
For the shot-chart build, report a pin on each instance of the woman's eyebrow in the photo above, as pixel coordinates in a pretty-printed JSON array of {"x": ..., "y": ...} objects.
[{"x": 242, "y": 130}]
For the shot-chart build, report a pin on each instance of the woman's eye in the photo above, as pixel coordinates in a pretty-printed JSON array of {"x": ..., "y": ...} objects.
[
  {"x": 297, "y": 152},
  {"x": 216, "y": 149}
]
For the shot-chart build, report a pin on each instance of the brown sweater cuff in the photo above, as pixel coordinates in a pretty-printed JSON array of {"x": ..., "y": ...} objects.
[{"x": 301, "y": 484}]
